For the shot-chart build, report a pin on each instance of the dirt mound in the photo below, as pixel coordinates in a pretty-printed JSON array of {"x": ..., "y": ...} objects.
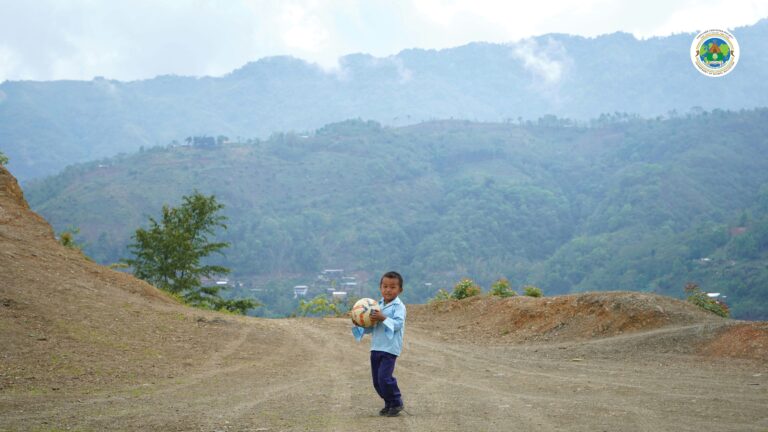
[
  {"x": 742, "y": 340},
  {"x": 65, "y": 320},
  {"x": 562, "y": 318},
  {"x": 584, "y": 317}
]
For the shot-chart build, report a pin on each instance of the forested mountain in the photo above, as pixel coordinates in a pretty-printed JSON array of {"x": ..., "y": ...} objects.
[
  {"x": 45, "y": 126},
  {"x": 622, "y": 204}
]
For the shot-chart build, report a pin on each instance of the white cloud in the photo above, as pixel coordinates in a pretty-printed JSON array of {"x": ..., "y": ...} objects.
[
  {"x": 546, "y": 62},
  {"x": 403, "y": 72},
  {"x": 502, "y": 21},
  {"x": 8, "y": 63},
  {"x": 505, "y": 21},
  {"x": 699, "y": 16},
  {"x": 302, "y": 30}
]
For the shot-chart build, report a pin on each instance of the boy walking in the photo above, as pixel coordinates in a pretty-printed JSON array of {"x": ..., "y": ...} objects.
[{"x": 386, "y": 342}]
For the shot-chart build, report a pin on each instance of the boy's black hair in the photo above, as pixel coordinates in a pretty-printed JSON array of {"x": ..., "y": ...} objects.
[{"x": 393, "y": 275}]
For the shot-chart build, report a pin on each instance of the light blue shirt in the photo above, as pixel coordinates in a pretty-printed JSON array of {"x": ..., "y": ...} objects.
[{"x": 387, "y": 334}]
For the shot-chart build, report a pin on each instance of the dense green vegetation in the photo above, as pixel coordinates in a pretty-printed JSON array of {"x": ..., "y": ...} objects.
[
  {"x": 621, "y": 204},
  {"x": 702, "y": 300},
  {"x": 45, "y": 126}
]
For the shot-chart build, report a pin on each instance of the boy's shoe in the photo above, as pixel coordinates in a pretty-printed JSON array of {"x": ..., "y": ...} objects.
[
  {"x": 384, "y": 411},
  {"x": 394, "y": 411}
]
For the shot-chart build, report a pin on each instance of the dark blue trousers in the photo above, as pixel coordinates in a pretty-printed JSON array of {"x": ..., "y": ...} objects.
[{"x": 382, "y": 367}]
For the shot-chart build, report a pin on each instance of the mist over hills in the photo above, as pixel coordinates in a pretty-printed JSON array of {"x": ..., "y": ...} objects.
[
  {"x": 624, "y": 204},
  {"x": 45, "y": 126}
]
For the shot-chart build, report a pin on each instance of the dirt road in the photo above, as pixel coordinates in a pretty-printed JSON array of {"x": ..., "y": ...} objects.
[{"x": 310, "y": 375}]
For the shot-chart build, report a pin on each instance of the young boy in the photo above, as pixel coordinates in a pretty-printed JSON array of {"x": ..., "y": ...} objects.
[{"x": 386, "y": 342}]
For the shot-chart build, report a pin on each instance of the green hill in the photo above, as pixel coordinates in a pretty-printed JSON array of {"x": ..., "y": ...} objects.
[{"x": 622, "y": 204}]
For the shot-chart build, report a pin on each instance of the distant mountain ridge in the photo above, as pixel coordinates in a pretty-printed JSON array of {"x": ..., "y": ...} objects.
[{"x": 45, "y": 126}]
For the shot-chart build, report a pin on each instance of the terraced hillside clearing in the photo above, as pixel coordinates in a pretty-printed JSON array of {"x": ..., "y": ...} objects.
[{"x": 86, "y": 348}]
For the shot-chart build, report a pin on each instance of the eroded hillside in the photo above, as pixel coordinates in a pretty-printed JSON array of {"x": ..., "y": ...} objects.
[{"x": 66, "y": 321}]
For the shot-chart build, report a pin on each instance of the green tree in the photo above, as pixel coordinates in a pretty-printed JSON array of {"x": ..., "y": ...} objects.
[
  {"x": 3, "y": 159},
  {"x": 168, "y": 254}
]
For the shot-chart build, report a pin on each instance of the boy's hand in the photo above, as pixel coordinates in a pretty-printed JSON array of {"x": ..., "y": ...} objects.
[{"x": 377, "y": 316}]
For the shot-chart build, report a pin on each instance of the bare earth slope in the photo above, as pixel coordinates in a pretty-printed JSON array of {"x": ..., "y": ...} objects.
[{"x": 83, "y": 347}]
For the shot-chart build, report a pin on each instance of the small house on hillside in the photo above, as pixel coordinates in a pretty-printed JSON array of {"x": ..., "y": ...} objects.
[{"x": 300, "y": 291}]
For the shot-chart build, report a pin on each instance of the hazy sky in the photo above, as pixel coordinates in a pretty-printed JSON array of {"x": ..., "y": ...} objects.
[{"x": 136, "y": 39}]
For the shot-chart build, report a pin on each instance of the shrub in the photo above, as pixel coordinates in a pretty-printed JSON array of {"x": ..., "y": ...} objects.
[
  {"x": 442, "y": 295},
  {"x": 67, "y": 238},
  {"x": 532, "y": 291},
  {"x": 3, "y": 159},
  {"x": 320, "y": 306},
  {"x": 502, "y": 288},
  {"x": 702, "y": 300},
  {"x": 465, "y": 288},
  {"x": 213, "y": 302}
]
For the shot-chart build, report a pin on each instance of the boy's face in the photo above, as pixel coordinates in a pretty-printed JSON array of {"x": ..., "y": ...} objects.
[{"x": 390, "y": 288}]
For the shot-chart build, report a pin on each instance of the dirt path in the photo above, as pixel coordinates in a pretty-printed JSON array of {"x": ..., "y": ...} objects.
[{"x": 309, "y": 375}]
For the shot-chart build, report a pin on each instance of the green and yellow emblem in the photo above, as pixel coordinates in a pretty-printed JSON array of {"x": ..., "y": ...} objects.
[{"x": 715, "y": 52}]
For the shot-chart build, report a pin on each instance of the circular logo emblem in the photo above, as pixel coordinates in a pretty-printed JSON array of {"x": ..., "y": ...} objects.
[{"x": 715, "y": 52}]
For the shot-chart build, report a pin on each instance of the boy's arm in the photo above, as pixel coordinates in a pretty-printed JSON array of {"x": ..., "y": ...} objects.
[{"x": 394, "y": 322}]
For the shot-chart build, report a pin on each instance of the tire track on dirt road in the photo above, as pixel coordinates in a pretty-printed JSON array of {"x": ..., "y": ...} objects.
[
  {"x": 429, "y": 397},
  {"x": 453, "y": 393},
  {"x": 340, "y": 396},
  {"x": 195, "y": 391}
]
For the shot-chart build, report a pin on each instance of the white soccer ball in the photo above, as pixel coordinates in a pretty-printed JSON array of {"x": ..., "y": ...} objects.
[{"x": 361, "y": 311}]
